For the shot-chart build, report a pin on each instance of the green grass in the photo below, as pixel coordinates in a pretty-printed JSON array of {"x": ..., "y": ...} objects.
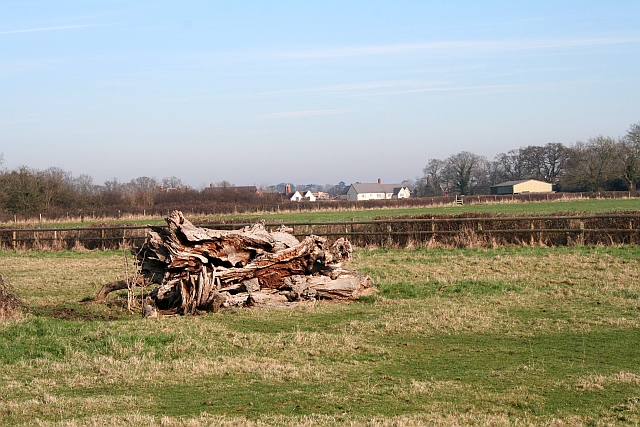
[
  {"x": 505, "y": 336},
  {"x": 537, "y": 208},
  {"x": 589, "y": 206}
]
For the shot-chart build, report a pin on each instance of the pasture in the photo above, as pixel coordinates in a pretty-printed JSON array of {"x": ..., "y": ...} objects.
[
  {"x": 325, "y": 213},
  {"x": 503, "y": 336}
]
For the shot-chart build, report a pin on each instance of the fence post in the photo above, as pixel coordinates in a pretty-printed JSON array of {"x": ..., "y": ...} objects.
[
  {"x": 389, "y": 236},
  {"x": 581, "y": 238},
  {"x": 15, "y": 240},
  {"x": 532, "y": 239},
  {"x": 351, "y": 230},
  {"x": 102, "y": 238}
]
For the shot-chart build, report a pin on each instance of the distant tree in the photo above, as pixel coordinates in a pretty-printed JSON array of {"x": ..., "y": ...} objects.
[
  {"x": 172, "y": 182},
  {"x": 83, "y": 185},
  {"x": 466, "y": 171},
  {"x": 631, "y": 156},
  {"x": 546, "y": 163},
  {"x": 434, "y": 180},
  {"x": 224, "y": 184},
  {"x": 594, "y": 165},
  {"x": 54, "y": 187},
  {"x": 143, "y": 189},
  {"x": 113, "y": 192},
  {"x": 21, "y": 193},
  {"x": 512, "y": 166}
]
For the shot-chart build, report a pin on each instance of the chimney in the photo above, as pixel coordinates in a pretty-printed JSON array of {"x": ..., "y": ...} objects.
[
  {"x": 287, "y": 189},
  {"x": 379, "y": 181}
]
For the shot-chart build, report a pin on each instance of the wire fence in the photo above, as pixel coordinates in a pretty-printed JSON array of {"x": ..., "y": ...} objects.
[{"x": 450, "y": 231}]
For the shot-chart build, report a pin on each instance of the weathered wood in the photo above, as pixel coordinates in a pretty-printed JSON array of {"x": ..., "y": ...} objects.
[
  {"x": 107, "y": 288},
  {"x": 200, "y": 269}
]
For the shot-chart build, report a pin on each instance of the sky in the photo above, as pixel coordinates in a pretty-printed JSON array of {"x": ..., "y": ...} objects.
[{"x": 259, "y": 93}]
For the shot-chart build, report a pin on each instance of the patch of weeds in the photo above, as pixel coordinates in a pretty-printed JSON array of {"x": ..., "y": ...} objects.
[
  {"x": 465, "y": 287},
  {"x": 626, "y": 293},
  {"x": 87, "y": 312},
  {"x": 367, "y": 299},
  {"x": 32, "y": 339}
]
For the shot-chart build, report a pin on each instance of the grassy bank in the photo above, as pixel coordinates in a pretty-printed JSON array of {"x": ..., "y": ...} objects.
[{"x": 454, "y": 337}]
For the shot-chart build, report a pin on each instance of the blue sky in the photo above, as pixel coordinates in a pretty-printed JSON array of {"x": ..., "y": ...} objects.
[{"x": 306, "y": 92}]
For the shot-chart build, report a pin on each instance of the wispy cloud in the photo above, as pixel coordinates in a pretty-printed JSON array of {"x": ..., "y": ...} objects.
[
  {"x": 35, "y": 30},
  {"x": 384, "y": 88},
  {"x": 303, "y": 113},
  {"x": 475, "y": 45}
]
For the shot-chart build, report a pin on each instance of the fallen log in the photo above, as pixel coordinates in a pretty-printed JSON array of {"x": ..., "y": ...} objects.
[{"x": 198, "y": 269}]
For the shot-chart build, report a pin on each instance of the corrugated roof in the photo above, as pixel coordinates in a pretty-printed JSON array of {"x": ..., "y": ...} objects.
[
  {"x": 374, "y": 187},
  {"x": 510, "y": 183}
]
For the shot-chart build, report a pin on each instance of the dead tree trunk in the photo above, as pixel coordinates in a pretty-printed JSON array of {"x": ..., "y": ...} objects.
[{"x": 203, "y": 269}]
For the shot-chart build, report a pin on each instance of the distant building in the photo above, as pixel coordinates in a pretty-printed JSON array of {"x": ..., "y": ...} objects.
[
  {"x": 375, "y": 191},
  {"x": 294, "y": 196},
  {"x": 252, "y": 189},
  {"x": 522, "y": 186},
  {"x": 321, "y": 195},
  {"x": 304, "y": 196}
]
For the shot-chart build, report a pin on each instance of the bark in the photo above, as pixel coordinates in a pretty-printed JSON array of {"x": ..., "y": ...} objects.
[
  {"x": 199, "y": 269},
  {"x": 107, "y": 288}
]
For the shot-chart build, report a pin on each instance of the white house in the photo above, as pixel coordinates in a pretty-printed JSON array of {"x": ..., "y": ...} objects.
[
  {"x": 297, "y": 196},
  {"x": 375, "y": 191},
  {"x": 294, "y": 196}
]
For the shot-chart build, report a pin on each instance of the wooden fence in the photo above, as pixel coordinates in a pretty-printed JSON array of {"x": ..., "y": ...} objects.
[{"x": 401, "y": 232}]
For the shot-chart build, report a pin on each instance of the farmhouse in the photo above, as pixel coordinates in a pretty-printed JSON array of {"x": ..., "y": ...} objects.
[
  {"x": 375, "y": 191},
  {"x": 523, "y": 186},
  {"x": 297, "y": 196},
  {"x": 304, "y": 196}
]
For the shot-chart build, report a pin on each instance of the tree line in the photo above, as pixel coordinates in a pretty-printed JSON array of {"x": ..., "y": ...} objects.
[
  {"x": 600, "y": 164},
  {"x": 27, "y": 192}
]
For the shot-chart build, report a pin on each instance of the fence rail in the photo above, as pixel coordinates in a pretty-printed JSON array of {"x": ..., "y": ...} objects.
[{"x": 452, "y": 231}]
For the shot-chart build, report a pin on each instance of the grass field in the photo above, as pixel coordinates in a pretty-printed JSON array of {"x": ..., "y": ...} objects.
[
  {"x": 535, "y": 208},
  {"x": 584, "y": 205},
  {"x": 505, "y": 336}
]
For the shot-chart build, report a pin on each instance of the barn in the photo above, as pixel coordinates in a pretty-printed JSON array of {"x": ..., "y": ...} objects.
[{"x": 523, "y": 186}]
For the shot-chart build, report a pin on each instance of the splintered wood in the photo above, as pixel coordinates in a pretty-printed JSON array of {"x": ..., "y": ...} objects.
[{"x": 200, "y": 269}]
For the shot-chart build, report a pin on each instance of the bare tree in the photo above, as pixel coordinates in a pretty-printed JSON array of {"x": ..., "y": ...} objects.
[
  {"x": 434, "y": 180},
  {"x": 172, "y": 182},
  {"x": 224, "y": 184},
  {"x": 512, "y": 166},
  {"x": 54, "y": 187},
  {"x": 594, "y": 165},
  {"x": 466, "y": 171},
  {"x": 144, "y": 188},
  {"x": 631, "y": 156},
  {"x": 547, "y": 163}
]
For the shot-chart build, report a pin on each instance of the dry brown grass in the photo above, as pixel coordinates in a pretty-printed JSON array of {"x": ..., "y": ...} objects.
[{"x": 11, "y": 306}]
